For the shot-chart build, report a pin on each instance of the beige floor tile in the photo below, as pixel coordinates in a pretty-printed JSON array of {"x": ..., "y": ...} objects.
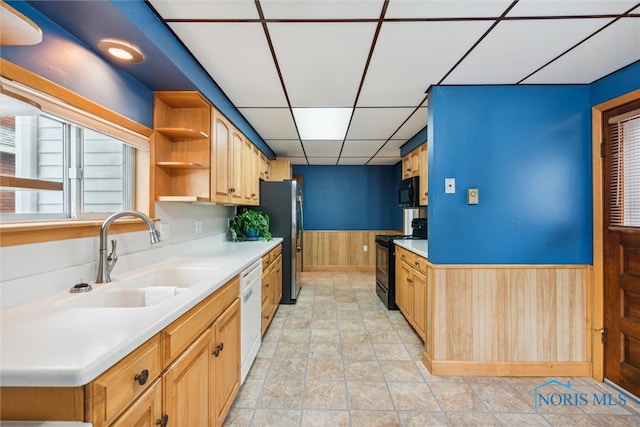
[
  {"x": 239, "y": 417},
  {"x": 272, "y": 334},
  {"x": 259, "y": 368},
  {"x": 374, "y": 419},
  {"x": 391, "y": 351},
  {"x": 475, "y": 419},
  {"x": 456, "y": 397},
  {"x": 398, "y": 370},
  {"x": 351, "y": 337},
  {"x": 324, "y": 323},
  {"x": 287, "y": 369},
  {"x": 362, "y": 370},
  {"x": 358, "y": 351},
  {"x": 325, "y": 395},
  {"x": 384, "y": 337},
  {"x": 368, "y": 395},
  {"x": 315, "y": 418},
  {"x": 618, "y": 420},
  {"x": 296, "y": 335},
  {"x": 325, "y": 335},
  {"x": 267, "y": 349},
  {"x": 289, "y": 350},
  {"x": 276, "y": 417},
  {"x": 249, "y": 393},
  {"x": 423, "y": 419},
  {"x": 281, "y": 394},
  {"x": 528, "y": 420},
  {"x": 325, "y": 350},
  {"x": 501, "y": 398},
  {"x": 325, "y": 369},
  {"x": 408, "y": 396},
  {"x": 583, "y": 420}
]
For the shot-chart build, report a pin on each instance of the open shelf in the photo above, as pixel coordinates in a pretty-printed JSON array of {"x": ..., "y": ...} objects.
[
  {"x": 181, "y": 199},
  {"x": 181, "y": 165},
  {"x": 182, "y": 133}
]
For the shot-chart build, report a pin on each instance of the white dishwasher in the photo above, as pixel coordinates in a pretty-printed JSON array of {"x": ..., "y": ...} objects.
[{"x": 250, "y": 315}]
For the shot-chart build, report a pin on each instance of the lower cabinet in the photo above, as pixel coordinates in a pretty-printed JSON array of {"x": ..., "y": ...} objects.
[
  {"x": 186, "y": 375},
  {"x": 411, "y": 289},
  {"x": 271, "y": 285}
]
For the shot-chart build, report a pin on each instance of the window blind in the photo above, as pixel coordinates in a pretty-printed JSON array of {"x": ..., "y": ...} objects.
[{"x": 624, "y": 161}]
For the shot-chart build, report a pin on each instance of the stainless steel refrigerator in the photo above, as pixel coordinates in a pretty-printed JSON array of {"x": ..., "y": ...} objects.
[{"x": 282, "y": 201}]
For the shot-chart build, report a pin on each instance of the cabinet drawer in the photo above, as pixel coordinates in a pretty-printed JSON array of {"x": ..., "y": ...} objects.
[
  {"x": 405, "y": 256},
  {"x": 266, "y": 315},
  {"x": 181, "y": 333},
  {"x": 266, "y": 261},
  {"x": 276, "y": 252},
  {"x": 113, "y": 391},
  {"x": 420, "y": 264}
]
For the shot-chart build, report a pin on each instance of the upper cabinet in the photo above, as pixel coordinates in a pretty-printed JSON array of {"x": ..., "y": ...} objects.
[
  {"x": 415, "y": 163},
  {"x": 181, "y": 147}
]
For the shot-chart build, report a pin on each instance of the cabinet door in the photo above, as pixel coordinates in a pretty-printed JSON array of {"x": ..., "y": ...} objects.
[
  {"x": 420, "y": 304},
  {"x": 424, "y": 176},
  {"x": 187, "y": 399},
  {"x": 406, "y": 166},
  {"x": 255, "y": 178},
  {"x": 277, "y": 283},
  {"x": 235, "y": 164},
  {"x": 404, "y": 289},
  {"x": 221, "y": 147},
  {"x": 146, "y": 411},
  {"x": 415, "y": 162},
  {"x": 247, "y": 172},
  {"x": 226, "y": 362}
]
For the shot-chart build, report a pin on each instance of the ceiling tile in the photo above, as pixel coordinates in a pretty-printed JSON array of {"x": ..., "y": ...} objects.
[
  {"x": 295, "y": 160},
  {"x": 411, "y": 56},
  {"x": 615, "y": 47},
  {"x": 514, "y": 49},
  {"x": 395, "y": 143},
  {"x": 446, "y": 8},
  {"x": 389, "y": 150},
  {"x": 376, "y": 123},
  {"x": 322, "y": 64},
  {"x": 383, "y": 161},
  {"x": 415, "y": 124},
  {"x": 314, "y": 9},
  {"x": 322, "y": 148},
  {"x": 212, "y": 9},
  {"x": 271, "y": 123},
  {"x": 323, "y": 160},
  {"x": 353, "y": 161},
  {"x": 286, "y": 147},
  {"x": 244, "y": 69},
  {"x": 573, "y": 8},
  {"x": 361, "y": 147}
]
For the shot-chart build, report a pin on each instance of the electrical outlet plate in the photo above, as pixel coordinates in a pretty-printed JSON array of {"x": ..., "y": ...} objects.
[
  {"x": 163, "y": 228},
  {"x": 449, "y": 185},
  {"x": 473, "y": 196},
  {"x": 198, "y": 226},
  {"x": 365, "y": 248}
]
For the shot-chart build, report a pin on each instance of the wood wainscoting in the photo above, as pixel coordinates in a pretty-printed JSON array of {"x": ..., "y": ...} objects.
[
  {"x": 340, "y": 249},
  {"x": 509, "y": 320}
]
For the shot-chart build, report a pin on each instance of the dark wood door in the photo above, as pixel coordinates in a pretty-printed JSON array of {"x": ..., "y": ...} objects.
[{"x": 621, "y": 273}]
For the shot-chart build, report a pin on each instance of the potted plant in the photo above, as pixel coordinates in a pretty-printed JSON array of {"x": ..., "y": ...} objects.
[{"x": 251, "y": 225}]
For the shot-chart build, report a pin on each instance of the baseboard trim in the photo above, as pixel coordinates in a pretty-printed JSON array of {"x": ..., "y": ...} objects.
[{"x": 508, "y": 369}]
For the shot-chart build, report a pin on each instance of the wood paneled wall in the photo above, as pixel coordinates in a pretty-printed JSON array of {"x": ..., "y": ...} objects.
[
  {"x": 510, "y": 320},
  {"x": 340, "y": 250}
]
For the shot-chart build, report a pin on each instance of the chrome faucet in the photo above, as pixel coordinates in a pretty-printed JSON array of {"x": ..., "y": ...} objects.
[{"x": 107, "y": 262}]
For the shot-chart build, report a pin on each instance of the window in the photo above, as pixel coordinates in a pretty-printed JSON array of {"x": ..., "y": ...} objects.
[
  {"x": 84, "y": 172},
  {"x": 624, "y": 164}
]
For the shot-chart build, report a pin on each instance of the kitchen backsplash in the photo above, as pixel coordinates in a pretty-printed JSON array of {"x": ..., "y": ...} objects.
[{"x": 34, "y": 271}]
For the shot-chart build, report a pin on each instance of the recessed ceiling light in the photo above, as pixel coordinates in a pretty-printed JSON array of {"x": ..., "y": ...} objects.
[
  {"x": 120, "y": 50},
  {"x": 322, "y": 123}
]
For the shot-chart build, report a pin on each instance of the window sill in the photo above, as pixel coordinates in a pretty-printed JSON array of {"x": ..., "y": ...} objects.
[{"x": 22, "y": 233}]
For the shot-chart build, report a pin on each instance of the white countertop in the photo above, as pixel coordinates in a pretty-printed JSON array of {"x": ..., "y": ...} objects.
[
  {"x": 47, "y": 343},
  {"x": 418, "y": 246}
]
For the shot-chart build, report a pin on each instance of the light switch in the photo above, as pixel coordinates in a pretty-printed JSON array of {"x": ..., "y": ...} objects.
[
  {"x": 473, "y": 196},
  {"x": 449, "y": 185}
]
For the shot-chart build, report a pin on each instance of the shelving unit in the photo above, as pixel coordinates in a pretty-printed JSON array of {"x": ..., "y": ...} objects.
[{"x": 182, "y": 147}]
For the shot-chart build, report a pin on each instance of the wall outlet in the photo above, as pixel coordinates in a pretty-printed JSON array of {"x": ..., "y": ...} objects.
[
  {"x": 163, "y": 228},
  {"x": 198, "y": 226},
  {"x": 449, "y": 185},
  {"x": 473, "y": 196},
  {"x": 365, "y": 248}
]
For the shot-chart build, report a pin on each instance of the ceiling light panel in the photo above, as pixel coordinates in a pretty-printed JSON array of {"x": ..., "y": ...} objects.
[
  {"x": 322, "y": 148},
  {"x": 570, "y": 8},
  {"x": 514, "y": 49},
  {"x": 322, "y": 64},
  {"x": 201, "y": 9},
  {"x": 580, "y": 66},
  {"x": 244, "y": 68},
  {"x": 429, "y": 50},
  {"x": 360, "y": 147},
  {"x": 286, "y": 147},
  {"x": 322, "y": 123},
  {"x": 271, "y": 123},
  {"x": 446, "y": 8},
  {"x": 314, "y": 9},
  {"x": 376, "y": 123}
]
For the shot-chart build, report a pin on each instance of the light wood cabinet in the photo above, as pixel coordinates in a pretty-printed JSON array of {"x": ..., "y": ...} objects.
[
  {"x": 424, "y": 175},
  {"x": 146, "y": 411},
  {"x": 280, "y": 170},
  {"x": 415, "y": 164},
  {"x": 265, "y": 168},
  {"x": 411, "y": 289},
  {"x": 250, "y": 178},
  {"x": 271, "y": 285},
  {"x": 235, "y": 166},
  {"x": 181, "y": 147}
]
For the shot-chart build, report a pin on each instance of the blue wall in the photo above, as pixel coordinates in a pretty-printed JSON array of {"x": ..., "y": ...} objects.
[
  {"x": 350, "y": 197},
  {"x": 623, "y": 81},
  {"x": 528, "y": 151}
]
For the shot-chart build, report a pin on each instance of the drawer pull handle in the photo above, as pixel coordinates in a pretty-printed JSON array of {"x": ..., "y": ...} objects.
[
  {"x": 218, "y": 349},
  {"x": 142, "y": 377},
  {"x": 162, "y": 422}
]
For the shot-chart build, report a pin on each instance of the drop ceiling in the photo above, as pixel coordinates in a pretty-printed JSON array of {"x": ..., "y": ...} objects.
[{"x": 379, "y": 58}]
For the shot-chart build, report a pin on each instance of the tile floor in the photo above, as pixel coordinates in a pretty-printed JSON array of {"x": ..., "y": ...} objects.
[{"x": 340, "y": 358}]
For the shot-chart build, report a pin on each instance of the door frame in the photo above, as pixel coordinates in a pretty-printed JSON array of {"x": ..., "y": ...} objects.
[{"x": 598, "y": 238}]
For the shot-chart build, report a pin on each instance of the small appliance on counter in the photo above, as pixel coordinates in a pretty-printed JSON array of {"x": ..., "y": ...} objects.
[{"x": 386, "y": 261}]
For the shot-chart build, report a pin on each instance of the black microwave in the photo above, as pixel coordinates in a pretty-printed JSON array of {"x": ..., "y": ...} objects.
[{"x": 408, "y": 193}]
